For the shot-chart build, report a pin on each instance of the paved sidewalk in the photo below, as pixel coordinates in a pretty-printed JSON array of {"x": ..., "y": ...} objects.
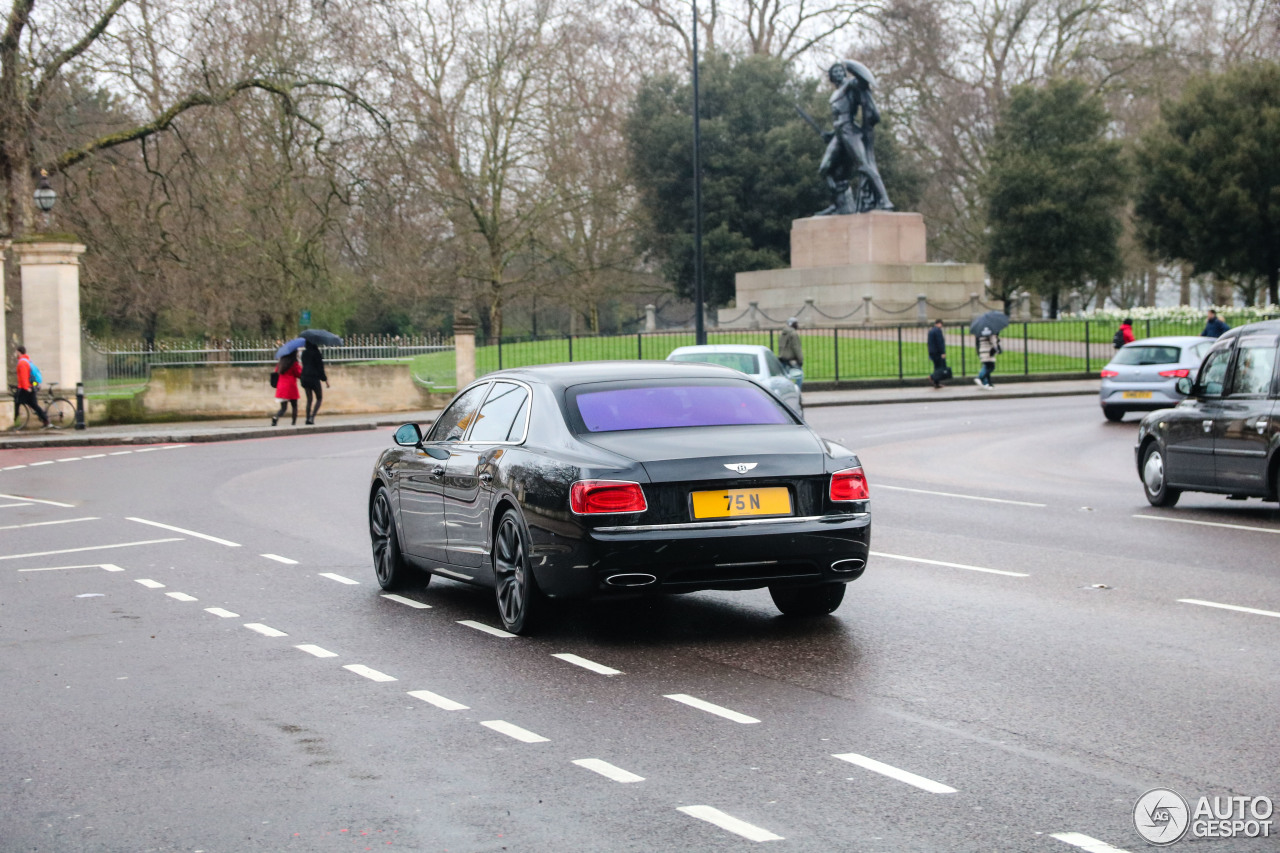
[{"x": 241, "y": 428}]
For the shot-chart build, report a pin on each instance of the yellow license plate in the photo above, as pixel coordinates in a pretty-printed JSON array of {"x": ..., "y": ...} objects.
[
  {"x": 739, "y": 502},
  {"x": 1136, "y": 395}
]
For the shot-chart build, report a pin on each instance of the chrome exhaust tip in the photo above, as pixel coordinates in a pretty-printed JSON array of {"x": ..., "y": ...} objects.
[
  {"x": 633, "y": 579},
  {"x": 847, "y": 566}
]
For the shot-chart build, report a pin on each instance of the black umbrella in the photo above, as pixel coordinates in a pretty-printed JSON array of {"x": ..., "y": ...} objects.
[
  {"x": 326, "y": 339},
  {"x": 993, "y": 320}
]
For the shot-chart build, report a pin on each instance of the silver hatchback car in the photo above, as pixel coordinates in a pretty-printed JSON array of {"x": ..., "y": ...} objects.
[
  {"x": 1143, "y": 376},
  {"x": 758, "y": 362}
]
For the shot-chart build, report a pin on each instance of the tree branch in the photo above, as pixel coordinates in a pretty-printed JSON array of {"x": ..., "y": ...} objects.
[{"x": 55, "y": 65}]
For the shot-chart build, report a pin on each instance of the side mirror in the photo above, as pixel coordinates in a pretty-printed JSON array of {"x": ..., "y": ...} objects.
[
  {"x": 408, "y": 435},
  {"x": 1184, "y": 386}
]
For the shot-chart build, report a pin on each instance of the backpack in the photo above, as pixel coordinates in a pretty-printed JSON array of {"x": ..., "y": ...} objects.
[
  {"x": 37, "y": 377},
  {"x": 1118, "y": 340},
  {"x": 275, "y": 379}
]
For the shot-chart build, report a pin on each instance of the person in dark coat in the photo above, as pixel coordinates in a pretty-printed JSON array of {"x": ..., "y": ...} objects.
[
  {"x": 287, "y": 386},
  {"x": 937, "y": 353},
  {"x": 1214, "y": 326},
  {"x": 312, "y": 375},
  {"x": 790, "y": 350}
]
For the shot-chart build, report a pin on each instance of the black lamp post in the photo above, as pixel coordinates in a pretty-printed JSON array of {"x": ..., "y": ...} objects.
[
  {"x": 699, "y": 330},
  {"x": 45, "y": 196}
]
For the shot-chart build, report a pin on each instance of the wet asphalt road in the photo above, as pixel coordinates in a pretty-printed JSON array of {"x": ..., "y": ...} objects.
[{"x": 1019, "y": 661}]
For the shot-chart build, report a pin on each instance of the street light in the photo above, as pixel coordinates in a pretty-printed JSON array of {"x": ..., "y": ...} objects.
[{"x": 45, "y": 196}]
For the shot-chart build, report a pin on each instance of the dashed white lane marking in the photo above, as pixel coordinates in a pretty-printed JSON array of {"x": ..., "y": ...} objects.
[
  {"x": 339, "y": 578},
  {"x": 949, "y": 565},
  {"x": 38, "y": 464},
  {"x": 110, "y": 567},
  {"x": 88, "y": 548},
  {"x": 1235, "y": 607},
  {"x": 437, "y": 700},
  {"x": 120, "y": 453},
  {"x": 511, "y": 730},
  {"x": 181, "y": 596},
  {"x": 71, "y": 459},
  {"x": 895, "y": 773},
  {"x": 94, "y": 456},
  {"x": 391, "y": 596},
  {"x": 607, "y": 770},
  {"x": 371, "y": 674},
  {"x": 703, "y": 705},
  {"x": 264, "y": 630},
  {"x": 1084, "y": 842},
  {"x": 37, "y": 500},
  {"x": 954, "y": 495},
  {"x": 168, "y": 447},
  {"x": 225, "y": 614},
  {"x": 14, "y": 506},
  {"x": 145, "y": 449},
  {"x": 46, "y": 523},
  {"x": 12, "y": 467},
  {"x": 186, "y": 532},
  {"x": 480, "y": 626},
  {"x": 316, "y": 650},
  {"x": 150, "y": 584},
  {"x": 1210, "y": 524},
  {"x": 749, "y": 831},
  {"x": 280, "y": 559},
  {"x": 587, "y": 664}
]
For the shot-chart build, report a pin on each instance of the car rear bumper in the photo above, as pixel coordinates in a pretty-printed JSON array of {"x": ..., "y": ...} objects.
[
  {"x": 1161, "y": 397},
  {"x": 746, "y": 554}
]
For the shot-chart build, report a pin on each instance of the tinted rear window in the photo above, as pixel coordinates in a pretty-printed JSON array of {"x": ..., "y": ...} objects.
[
  {"x": 740, "y": 361},
  {"x": 665, "y": 406},
  {"x": 1148, "y": 355}
]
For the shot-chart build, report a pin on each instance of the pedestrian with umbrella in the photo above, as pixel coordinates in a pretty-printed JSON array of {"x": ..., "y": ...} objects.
[
  {"x": 987, "y": 328},
  {"x": 287, "y": 372},
  {"x": 312, "y": 375}
]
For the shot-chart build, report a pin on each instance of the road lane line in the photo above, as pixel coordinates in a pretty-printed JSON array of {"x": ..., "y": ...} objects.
[
  {"x": 225, "y": 614},
  {"x": 280, "y": 559},
  {"x": 46, "y": 462},
  {"x": 87, "y": 548},
  {"x": 703, "y": 705},
  {"x": 954, "y": 495},
  {"x": 14, "y": 506},
  {"x": 587, "y": 664},
  {"x": 110, "y": 567},
  {"x": 728, "y": 822},
  {"x": 37, "y": 500},
  {"x": 181, "y": 596},
  {"x": 437, "y": 700},
  {"x": 339, "y": 578},
  {"x": 12, "y": 467},
  {"x": 480, "y": 626},
  {"x": 94, "y": 456},
  {"x": 514, "y": 731},
  {"x": 607, "y": 770},
  {"x": 1235, "y": 607},
  {"x": 1210, "y": 524},
  {"x": 120, "y": 453},
  {"x": 168, "y": 447},
  {"x": 187, "y": 532},
  {"x": 1084, "y": 842},
  {"x": 145, "y": 449},
  {"x": 895, "y": 773},
  {"x": 46, "y": 523},
  {"x": 391, "y": 596},
  {"x": 371, "y": 674},
  {"x": 316, "y": 650},
  {"x": 949, "y": 565},
  {"x": 149, "y": 583},
  {"x": 71, "y": 459},
  {"x": 264, "y": 630}
]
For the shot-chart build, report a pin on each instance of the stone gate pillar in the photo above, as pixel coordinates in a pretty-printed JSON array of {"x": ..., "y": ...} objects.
[
  {"x": 464, "y": 350},
  {"x": 6, "y": 410},
  {"x": 51, "y": 309}
]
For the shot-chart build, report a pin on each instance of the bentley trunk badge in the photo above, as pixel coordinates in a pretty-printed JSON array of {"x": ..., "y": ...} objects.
[{"x": 741, "y": 467}]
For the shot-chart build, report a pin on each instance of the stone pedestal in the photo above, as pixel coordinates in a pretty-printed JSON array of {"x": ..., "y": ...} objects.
[
  {"x": 464, "y": 351},
  {"x": 858, "y": 269},
  {"x": 51, "y": 309}
]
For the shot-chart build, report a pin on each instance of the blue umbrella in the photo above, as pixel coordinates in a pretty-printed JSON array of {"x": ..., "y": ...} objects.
[
  {"x": 295, "y": 344},
  {"x": 320, "y": 337}
]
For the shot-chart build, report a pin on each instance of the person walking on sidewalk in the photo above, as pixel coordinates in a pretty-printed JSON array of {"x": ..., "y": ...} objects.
[
  {"x": 988, "y": 349},
  {"x": 937, "y": 354},
  {"x": 288, "y": 371},
  {"x": 790, "y": 351},
  {"x": 1214, "y": 326},
  {"x": 1123, "y": 335},
  {"x": 26, "y": 394},
  {"x": 312, "y": 375}
]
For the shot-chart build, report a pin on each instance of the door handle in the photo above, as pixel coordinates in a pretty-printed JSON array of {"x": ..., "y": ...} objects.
[
  {"x": 486, "y": 477},
  {"x": 437, "y": 471},
  {"x": 1261, "y": 425},
  {"x": 1208, "y": 425}
]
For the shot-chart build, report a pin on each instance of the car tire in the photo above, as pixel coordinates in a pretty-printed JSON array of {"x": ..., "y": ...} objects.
[
  {"x": 808, "y": 600},
  {"x": 1155, "y": 478},
  {"x": 388, "y": 561},
  {"x": 520, "y": 602},
  {"x": 1113, "y": 413}
]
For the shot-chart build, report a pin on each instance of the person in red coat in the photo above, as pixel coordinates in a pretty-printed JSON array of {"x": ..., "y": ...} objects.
[{"x": 287, "y": 386}]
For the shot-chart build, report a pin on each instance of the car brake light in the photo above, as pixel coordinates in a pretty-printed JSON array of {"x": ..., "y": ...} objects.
[
  {"x": 849, "y": 485},
  {"x": 1176, "y": 374},
  {"x": 587, "y": 497},
  {"x": 1107, "y": 374}
]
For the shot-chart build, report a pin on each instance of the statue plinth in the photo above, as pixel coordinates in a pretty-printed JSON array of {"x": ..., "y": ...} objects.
[{"x": 878, "y": 237}]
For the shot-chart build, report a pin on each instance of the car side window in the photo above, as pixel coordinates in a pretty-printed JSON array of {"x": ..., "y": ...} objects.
[
  {"x": 1213, "y": 372},
  {"x": 775, "y": 366},
  {"x": 502, "y": 417},
  {"x": 452, "y": 425},
  {"x": 1255, "y": 362}
]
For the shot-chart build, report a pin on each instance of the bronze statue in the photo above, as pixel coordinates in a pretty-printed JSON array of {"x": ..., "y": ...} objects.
[{"x": 849, "y": 164}]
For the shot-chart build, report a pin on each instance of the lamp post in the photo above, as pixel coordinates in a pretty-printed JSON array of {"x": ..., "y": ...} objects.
[
  {"x": 45, "y": 196},
  {"x": 699, "y": 330}
]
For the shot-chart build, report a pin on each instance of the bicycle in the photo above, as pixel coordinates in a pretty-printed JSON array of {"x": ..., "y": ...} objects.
[{"x": 60, "y": 411}]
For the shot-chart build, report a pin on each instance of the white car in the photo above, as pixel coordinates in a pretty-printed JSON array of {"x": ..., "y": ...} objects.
[
  {"x": 1143, "y": 376},
  {"x": 756, "y": 361}
]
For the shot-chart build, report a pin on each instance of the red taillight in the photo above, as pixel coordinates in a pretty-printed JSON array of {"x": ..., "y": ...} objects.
[
  {"x": 587, "y": 497},
  {"x": 1176, "y": 374},
  {"x": 1107, "y": 374},
  {"x": 849, "y": 485}
]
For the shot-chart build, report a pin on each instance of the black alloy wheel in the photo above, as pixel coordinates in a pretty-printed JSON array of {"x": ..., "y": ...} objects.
[
  {"x": 808, "y": 600},
  {"x": 1155, "y": 478},
  {"x": 388, "y": 562},
  {"x": 1113, "y": 413},
  {"x": 519, "y": 601}
]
